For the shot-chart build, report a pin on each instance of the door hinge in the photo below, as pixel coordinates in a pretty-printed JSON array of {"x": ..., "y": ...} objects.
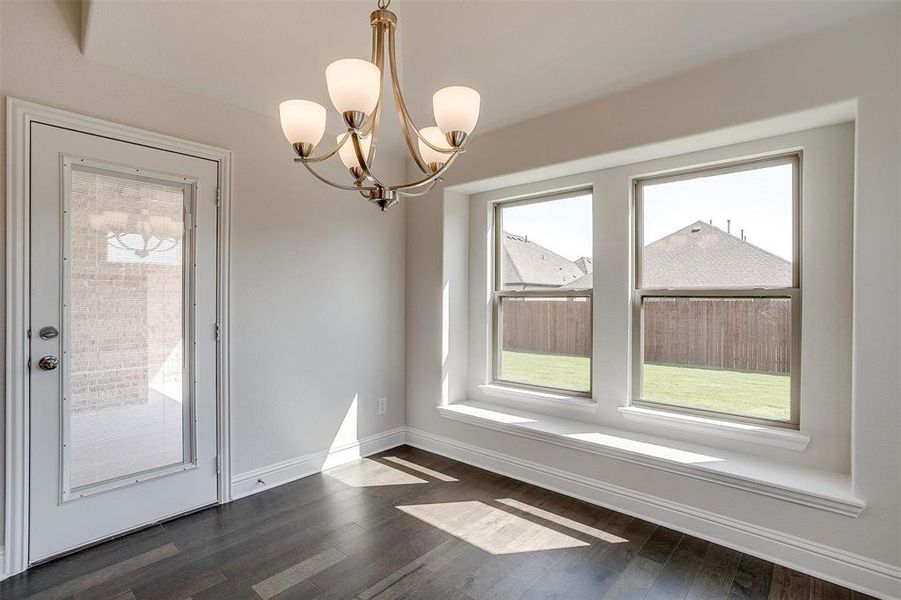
[
  {"x": 29, "y": 333},
  {"x": 218, "y": 332},
  {"x": 218, "y": 196},
  {"x": 218, "y": 466},
  {"x": 29, "y": 362}
]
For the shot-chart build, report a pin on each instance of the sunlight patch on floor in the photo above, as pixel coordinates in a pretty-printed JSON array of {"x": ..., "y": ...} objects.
[
  {"x": 564, "y": 521},
  {"x": 491, "y": 529},
  {"x": 369, "y": 473},
  {"x": 424, "y": 470}
]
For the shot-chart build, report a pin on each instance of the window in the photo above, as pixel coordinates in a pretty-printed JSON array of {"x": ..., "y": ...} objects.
[
  {"x": 542, "y": 293},
  {"x": 717, "y": 291}
]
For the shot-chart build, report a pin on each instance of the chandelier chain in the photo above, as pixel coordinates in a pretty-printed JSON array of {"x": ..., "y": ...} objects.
[{"x": 383, "y": 4}]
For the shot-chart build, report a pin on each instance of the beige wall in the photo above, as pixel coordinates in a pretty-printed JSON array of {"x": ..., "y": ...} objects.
[
  {"x": 317, "y": 275},
  {"x": 734, "y": 101}
]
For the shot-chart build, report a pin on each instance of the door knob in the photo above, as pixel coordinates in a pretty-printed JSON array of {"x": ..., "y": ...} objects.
[{"x": 48, "y": 363}]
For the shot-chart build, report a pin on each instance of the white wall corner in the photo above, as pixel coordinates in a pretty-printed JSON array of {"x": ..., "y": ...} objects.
[
  {"x": 85, "y": 25},
  {"x": 454, "y": 297}
]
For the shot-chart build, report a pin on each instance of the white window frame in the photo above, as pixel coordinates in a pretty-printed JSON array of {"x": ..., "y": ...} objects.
[
  {"x": 793, "y": 292},
  {"x": 499, "y": 293}
]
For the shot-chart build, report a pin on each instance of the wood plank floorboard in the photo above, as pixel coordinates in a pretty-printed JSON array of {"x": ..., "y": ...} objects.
[{"x": 411, "y": 524}]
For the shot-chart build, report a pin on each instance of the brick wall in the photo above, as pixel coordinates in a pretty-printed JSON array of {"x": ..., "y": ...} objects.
[{"x": 126, "y": 328}]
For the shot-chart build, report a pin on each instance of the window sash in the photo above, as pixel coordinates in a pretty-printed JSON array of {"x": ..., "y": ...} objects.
[
  {"x": 498, "y": 336},
  {"x": 497, "y": 274},
  {"x": 791, "y": 158},
  {"x": 499, "y": 293},
  {"x": 793, "y": 292}
]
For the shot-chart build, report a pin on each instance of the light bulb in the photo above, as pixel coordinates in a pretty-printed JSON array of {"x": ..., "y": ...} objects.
[
  {"x": 353, "y": 85},
  {"x": 456, "y": 108},
  {"x": 436, "y": 138},
  {"x": 349, "y": 155},
  {"x": 302, "y": 121}
]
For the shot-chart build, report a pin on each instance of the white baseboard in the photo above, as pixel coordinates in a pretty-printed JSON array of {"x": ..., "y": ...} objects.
[
  {"x": 270, "y": 476},
  {"x": 832, "y": 564}
]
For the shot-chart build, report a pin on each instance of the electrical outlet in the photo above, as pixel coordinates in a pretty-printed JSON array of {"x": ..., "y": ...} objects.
[{"x": 383, "y": 405}]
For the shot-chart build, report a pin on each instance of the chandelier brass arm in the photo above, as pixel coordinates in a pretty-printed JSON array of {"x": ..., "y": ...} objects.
[
  {"x": 356, "y": 88},
  {"x": 352, "y": 188},
  {"x": 400, "y": 105},
  {"x": 362, "y": 160},
  {"x": 403, "y": 114},
  {"x": 428, "y": 189},
  {"x": 428, "y": 179},
  {"x": 327, "y": 155}
]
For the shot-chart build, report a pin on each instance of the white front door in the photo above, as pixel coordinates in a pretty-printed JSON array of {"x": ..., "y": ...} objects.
[{"x": 123, "y": 337}]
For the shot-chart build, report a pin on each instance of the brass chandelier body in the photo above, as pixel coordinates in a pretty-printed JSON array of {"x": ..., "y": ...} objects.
[{"x": 362, "y": 131}]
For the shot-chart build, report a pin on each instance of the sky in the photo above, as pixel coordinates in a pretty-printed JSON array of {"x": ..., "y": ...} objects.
[
  {"x": 758, "y": 201},
  {"x": 563, "y": 226}
]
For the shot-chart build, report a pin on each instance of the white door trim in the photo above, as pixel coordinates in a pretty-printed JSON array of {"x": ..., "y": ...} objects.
[{"x": 19, "y": 116}]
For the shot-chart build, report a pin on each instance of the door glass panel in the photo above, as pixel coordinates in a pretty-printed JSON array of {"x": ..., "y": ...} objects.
[{"x": 125, "y": 368}]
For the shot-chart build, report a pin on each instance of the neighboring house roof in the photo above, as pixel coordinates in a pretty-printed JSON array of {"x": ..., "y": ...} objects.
[
  {"x": 529, "y": 264},
  {"x": 704, "y": 255},
  {"x": 585, "y": 282},
  {"x": 701, "y": 255},
  {"x": 584, "y": 264}
]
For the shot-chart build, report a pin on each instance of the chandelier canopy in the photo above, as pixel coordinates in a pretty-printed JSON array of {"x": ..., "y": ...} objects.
[{"x": 355, "y": 87}]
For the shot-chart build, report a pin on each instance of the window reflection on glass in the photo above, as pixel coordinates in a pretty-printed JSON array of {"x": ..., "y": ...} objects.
[{"x": 126, "y": 307}]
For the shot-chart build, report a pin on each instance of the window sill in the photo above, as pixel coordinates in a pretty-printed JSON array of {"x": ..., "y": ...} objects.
[
  {"x": 744, "y": 432},
  {"x": 822, "y": 490},
  {"x": 537, "y": 398}
]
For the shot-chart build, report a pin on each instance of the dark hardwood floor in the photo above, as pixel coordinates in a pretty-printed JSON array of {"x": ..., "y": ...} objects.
[{"x": 410, "y": 524}]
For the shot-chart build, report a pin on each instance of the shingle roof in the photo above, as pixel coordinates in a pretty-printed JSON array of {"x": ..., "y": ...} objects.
[
  {"x": 701, "y": 255},
  {"x": 529, "y": 264},
  {"x": 585, "y": 282},
  {"x": 704, "y": 255},
  {"x": 584, "y": 264}
]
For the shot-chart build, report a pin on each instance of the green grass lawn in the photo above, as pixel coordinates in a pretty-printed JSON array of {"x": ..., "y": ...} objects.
[
  {"x": 550, "y": 370},
  {"x": 758, "y": 394}
]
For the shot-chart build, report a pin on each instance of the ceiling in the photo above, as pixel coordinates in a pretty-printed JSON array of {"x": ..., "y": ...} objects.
[{"x": 526, "y": 58}]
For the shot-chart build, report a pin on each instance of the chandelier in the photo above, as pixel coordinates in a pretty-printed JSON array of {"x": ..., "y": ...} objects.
[{"x": 355, "y": 87}]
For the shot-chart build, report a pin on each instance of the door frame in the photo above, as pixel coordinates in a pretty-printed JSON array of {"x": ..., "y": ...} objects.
[{"x": 20, "y": 114}]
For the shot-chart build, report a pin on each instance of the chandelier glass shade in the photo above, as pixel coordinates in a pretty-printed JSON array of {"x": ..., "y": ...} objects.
[{"x": 356, "y": 89}]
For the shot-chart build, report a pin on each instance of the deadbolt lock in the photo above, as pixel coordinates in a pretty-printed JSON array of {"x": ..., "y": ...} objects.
[
  {"x": 48, "y": 333},
  {"x": 48, "y": 363}
]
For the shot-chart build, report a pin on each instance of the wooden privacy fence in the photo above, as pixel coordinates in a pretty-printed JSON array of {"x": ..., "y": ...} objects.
[
  {"x": 547, "y": 325},
  {"x": 748, "y": 334}
]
